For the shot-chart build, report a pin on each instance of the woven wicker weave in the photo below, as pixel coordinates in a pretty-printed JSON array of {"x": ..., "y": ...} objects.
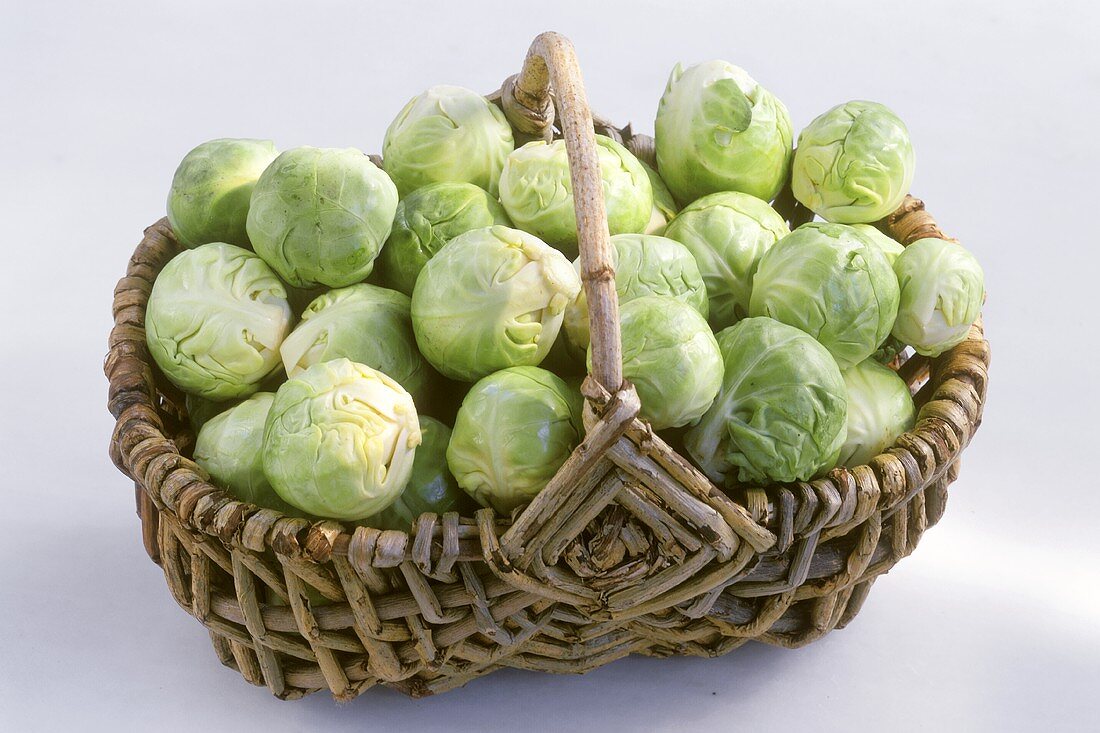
[{"x": 630, "y": 549}]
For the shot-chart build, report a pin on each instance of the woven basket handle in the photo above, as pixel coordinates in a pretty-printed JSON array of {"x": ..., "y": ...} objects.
[{"x": 551, "y": 64}]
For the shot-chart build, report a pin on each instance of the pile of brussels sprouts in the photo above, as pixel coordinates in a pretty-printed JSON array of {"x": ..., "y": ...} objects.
[{"x": 330, "y": 319}]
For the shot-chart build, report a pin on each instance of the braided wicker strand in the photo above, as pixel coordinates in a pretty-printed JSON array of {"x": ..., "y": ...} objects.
[{"x": 629, "y": 550}]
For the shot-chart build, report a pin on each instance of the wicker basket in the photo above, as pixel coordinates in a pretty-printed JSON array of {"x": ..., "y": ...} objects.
[{"x": 629, "y": 549}]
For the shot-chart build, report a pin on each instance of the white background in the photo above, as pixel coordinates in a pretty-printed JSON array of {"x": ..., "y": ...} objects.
[{"x": 994, "y": 623}]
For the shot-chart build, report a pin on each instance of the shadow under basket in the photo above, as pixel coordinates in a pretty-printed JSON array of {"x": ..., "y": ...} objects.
[{"x": 628, "y": 550}]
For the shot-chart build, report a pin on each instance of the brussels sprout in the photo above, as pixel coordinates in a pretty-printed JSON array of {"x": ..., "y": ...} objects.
[
  {"x": 889, "y": 246},
  {"x": 514, "y": 430},
  {"x": 888, "y": 351},
  {"x": 880, "y": 409},
  {"x": 365, "y": 323},
  {"x": 645, "y": 264},
  {"x": 340, "y": 440},
  {"x": 230, "y": 448},
  {"x": 431, "y": 487},
  {"x": 727, "y": 233},
  {"x": 319, "y": 216},
  {"x": 447, "y": 134},
  {"x": 829, "y": 281},
  {"x": 664, "y": 206},
  {"x": 200, "y": 410},
  {"x": 853, "y": 164},
  {"x": 215, "y": 320},
  {"x": 942, "y": 289},
  {"x": 780, "y": 415},
  {"x": 426, "y": 220},
  {"x": 718, "y": 130},
  {"x": 208, "y": 201},
  {"x": 672, "y": 359},
  {"x": 491, "y": 298},
  {"x": 537, "y": 191}
]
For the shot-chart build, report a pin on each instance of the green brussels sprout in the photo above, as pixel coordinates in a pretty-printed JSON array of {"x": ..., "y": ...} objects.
[
  {"x": 880, "y": 409},
  {"x": 447, "y": 134},
  {"x": 645, "y": 264},
  {"x": 230, "y": 448},
  {"x": 491, "y": 298},
  {"x": 853, "y": 164},
  {"x": 889, "y": 246},
  {"x": 365, "y": 323},
  {"x": 426, "y": 220},
  {"x": 340, "y": 440},
  {"x": 319, "y": 216},
  {"x": 718, "y": 130},
  {"x": 780, "y": 415},
  {"x": 664, "y": 205},
  {"x": 200, "y": 410},
  {"x": 829, "y": 281},
  {"x": 671, "y": 357},
  {"x": 208, "y": 201},
  {"x": 727, "y": 233},
  {"x": 942, "y": 290},
  {"x": 537, "y": 191},
  {"x": 431, "y": 487},
  {"x": 215, "y": 320},
  {"x": 514, "y": 430}
]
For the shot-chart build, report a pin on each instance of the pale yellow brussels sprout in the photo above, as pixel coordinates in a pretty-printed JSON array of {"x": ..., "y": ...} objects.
[
  {"x": 880, "y": 409},
  {"x": 672, "y": 359},
  {"x": 340, "y": 440},
  {"x": 215, "y": 320},
  {"x": 718, "y": 130},
  {"x": 854, "y": 164},
  {"x": 319, "y": 216},
  {"x": 208, "y": 201},
  {"x": 942, "y": 289},
  {"x": 645, "y": 264},
  {"x": 727, "y": 233},
  {"x": 230, "y": 448},
  {"x": 365, "y": 323},
  {"x": 536, "y": 190},
  {"x": 447, "y": 134},
  {"x": 490, "y": 299},
  {"x": 514, "y": 430}
]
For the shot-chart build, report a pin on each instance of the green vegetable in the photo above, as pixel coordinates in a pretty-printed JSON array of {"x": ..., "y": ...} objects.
[
  {"x": 853, "y": 164},
  {"x": 888, "y": 245},
  {"x": 514, "y": 430},
  {"x": 319, "y": 216},
  {"x": 832, "y": 283},
  {"x": 728, "y": 233},
  {"x": 365, "y": 323},
  {"x": 208, "y": 201},
  {"x": 491, "y": 298},
  {"x": 230, "y": 448},
  {"x": 431, "y": 487},
  {"x": 671, "y": 357},
  {"x": 537, "y": 191},
  {"x": 645, "y": 264},
  {"x": 340, "y": 440},
  {"x": 447, "y": 134},
  {"x": 664, "y": 206},
  {"x": 942, "y": 289},
  {"x": 780, "y": 414},
  {"x": 215, "y": 320},
  {"x": 880, "y": 409},
  {"x": 718, "y": 130},
  {"x": 426, "y": 220}
]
